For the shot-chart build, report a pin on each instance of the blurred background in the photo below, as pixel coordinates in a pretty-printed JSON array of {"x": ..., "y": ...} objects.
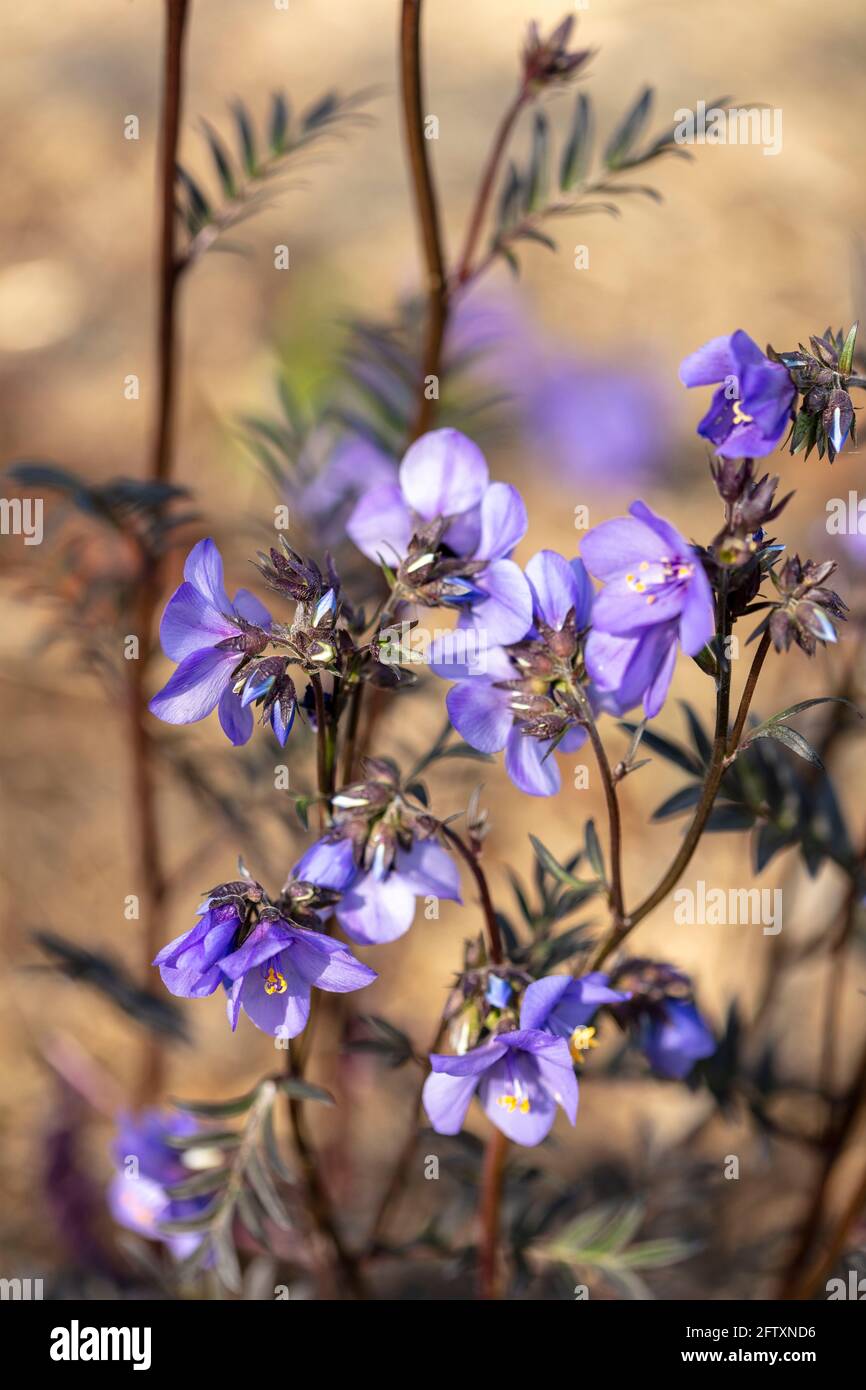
[{"x": 591, "y": 413}]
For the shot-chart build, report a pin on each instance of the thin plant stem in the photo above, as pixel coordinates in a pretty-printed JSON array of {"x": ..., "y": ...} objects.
[
  {"x": 492, "y": 1178},
  {"x": 427, "y": 211},
  {"x": 617, "y": 900},
  {"x": 748, "y": 691},
  {"x": 712, "y": 781},
  {"x": 356, "y": 702},
  {"x": 153, "y": 884},
  {"x": 465, "y": 266},
  {"x": 494, "y": 936},
  {"x": 318, "y": 1198}
]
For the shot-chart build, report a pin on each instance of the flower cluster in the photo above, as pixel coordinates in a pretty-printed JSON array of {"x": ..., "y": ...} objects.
[
  {"x": 266, "y": 955},
  {"x": 148, "y": 1166}
]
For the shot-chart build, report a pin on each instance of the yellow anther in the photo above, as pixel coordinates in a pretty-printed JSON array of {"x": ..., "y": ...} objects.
[
  {"x": 651, "y": 598},
  {"x": 644, "y": 564},
  {"x": 684, "y": 571},
  {"x": 629, "y": 579},
  {"x": 640, "y": 586},
  {"x": 275, "y": 983},
  {"x": 512, "y": 1103},
  {"x": 581, "y": 1040},
  {"x": 740, "y": 416}
]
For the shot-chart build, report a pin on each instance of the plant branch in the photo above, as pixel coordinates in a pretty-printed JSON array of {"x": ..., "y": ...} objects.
[
  {"x": 616, "y": 896},
  {"x": 153, "y": 886},
  {"x": 465, "y": 269},
  {"x": 492, "y": 1176},
  {"x": 494, "y": 937},
  {"x": 426, "y": 208}
]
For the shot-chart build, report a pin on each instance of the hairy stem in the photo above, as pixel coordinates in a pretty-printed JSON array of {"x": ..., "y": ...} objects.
[
  {"x": 426, "y": 208},
  {"x": 149, "y": 854},
  {"x": 492, "y": 1176}
]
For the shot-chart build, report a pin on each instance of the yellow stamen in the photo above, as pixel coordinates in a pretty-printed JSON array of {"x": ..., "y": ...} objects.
[
  {"x": 644, "y": 564},
  {"x": 581, "y": 1040},
  {"x": 512, "y": 1103},
  {"x": 275, "y": 983},
  {"x": 740, "y": 416}
]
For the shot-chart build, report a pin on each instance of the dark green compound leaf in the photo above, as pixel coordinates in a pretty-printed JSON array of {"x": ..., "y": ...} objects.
[
  {"x": 781, "y": 733},
  {"x": 594, "y": 851},
  {"x": 222, "y": 161},
  {"x": 667, "y": 748},
  {"x": 278, "y": 124},
  {"x": 303, "y": 1090},
  {"x": 246, "y": 137},
  {"x": 547, "y": 861}
]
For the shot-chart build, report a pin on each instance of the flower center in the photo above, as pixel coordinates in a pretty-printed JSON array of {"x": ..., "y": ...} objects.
[
  {"x": 512, "y": 1103},
  {"x": 740, "y": 416},
  {"x": 659, "y": 575},
  {"x": 275, "y": 983},
  {"x": 581, "y": 1040}
]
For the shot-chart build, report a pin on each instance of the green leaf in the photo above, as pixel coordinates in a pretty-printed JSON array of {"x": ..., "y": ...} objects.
[
  {"x": 578, "y": 148},
  {"x": 279, "y": 123},
  {"x": 593, "y": 850},
  {"x": 790, "y": 738},
  {"x": 667, "y": 748},
  {"x": 304, "y": 1090},
  {"x": 199, "y": 1184},
  {"x": 538, "y": 176},
  {"x": 221, "y": 160},
  {"x": 846, "y": 356},
  {"x": 628, "y": 131},
  {"x": 555, "y": 869},
  {"x": 217, "y": 1109},
  {"x": 246, "y": 138}
]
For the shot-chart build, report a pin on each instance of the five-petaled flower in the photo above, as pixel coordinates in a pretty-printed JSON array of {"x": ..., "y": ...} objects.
[
  {"x": 655, "y": 594},
  {"x": 521, "y": 1077},
  {"x": 565, "y": 1007},
  {"x": 211, "y": 638},
  {"x": 752, "y": 407},
  {"x": 522, "y": 702},
  {"x": 449, "y": 532}
]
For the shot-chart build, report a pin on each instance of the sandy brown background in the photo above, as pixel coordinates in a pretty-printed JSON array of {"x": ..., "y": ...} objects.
[{"x": 741, "y": 240}]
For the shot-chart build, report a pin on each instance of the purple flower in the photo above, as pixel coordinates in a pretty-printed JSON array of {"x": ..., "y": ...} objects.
[
  {"x": 515, "y": 704},
  {"x": 564, "y": 1006},
  {"x": 520, "y": 1077},
  {"x": 274, "y": 970},
  {"x": 190, "y": 965},
  {"x": 265, "y": 959},
  {"x": 655, "y": 594},
  {"x": 675, "y": 1039},
  {"x": 148, "y": 1165},
  {"x": 210, "y": 638},
  {"x": 329, "y": 490},
  {"x": 464, "y": 528},
  {"x": 660, "y": 1009},
  {"x": 378, "y": 901},
  {"x": 752, "y": 407}
]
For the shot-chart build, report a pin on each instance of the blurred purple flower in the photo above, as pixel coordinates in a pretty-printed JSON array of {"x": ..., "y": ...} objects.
[
  {"x": 444, "y": 477},
  {"x": 378, "y": 903},
  {"x": 752, "y": 407},
  {"x": 147, "y": 1165},
  {"x": 208, "y": 636},
  {"x": 674, "y": 1041},
  {"x": 655, "y": 594},
  {"x": 520, "y": 1077},
  {"x": 326, "y": 500}
]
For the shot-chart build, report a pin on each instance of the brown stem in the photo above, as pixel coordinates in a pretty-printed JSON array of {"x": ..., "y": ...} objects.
[
  {"x": 176, "y": 15},
  {"x": 152, "y": 878},
  {"x": 485, "y": 191},
  {"x": 356, "y": 701},
  {"x": 494, "y": 937},
  {"x": 318, "y": 1198},
  {"x": 400, "y": 1170},
  {"x": 799, "y": 1282},
  {"x": 712, "y": 782},
  {"x": 492, "y": 1175},
  {"x": 617, "y": 900},
  {"x": 748, "y": 691},
  {"x": 426, "y": 206}
]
